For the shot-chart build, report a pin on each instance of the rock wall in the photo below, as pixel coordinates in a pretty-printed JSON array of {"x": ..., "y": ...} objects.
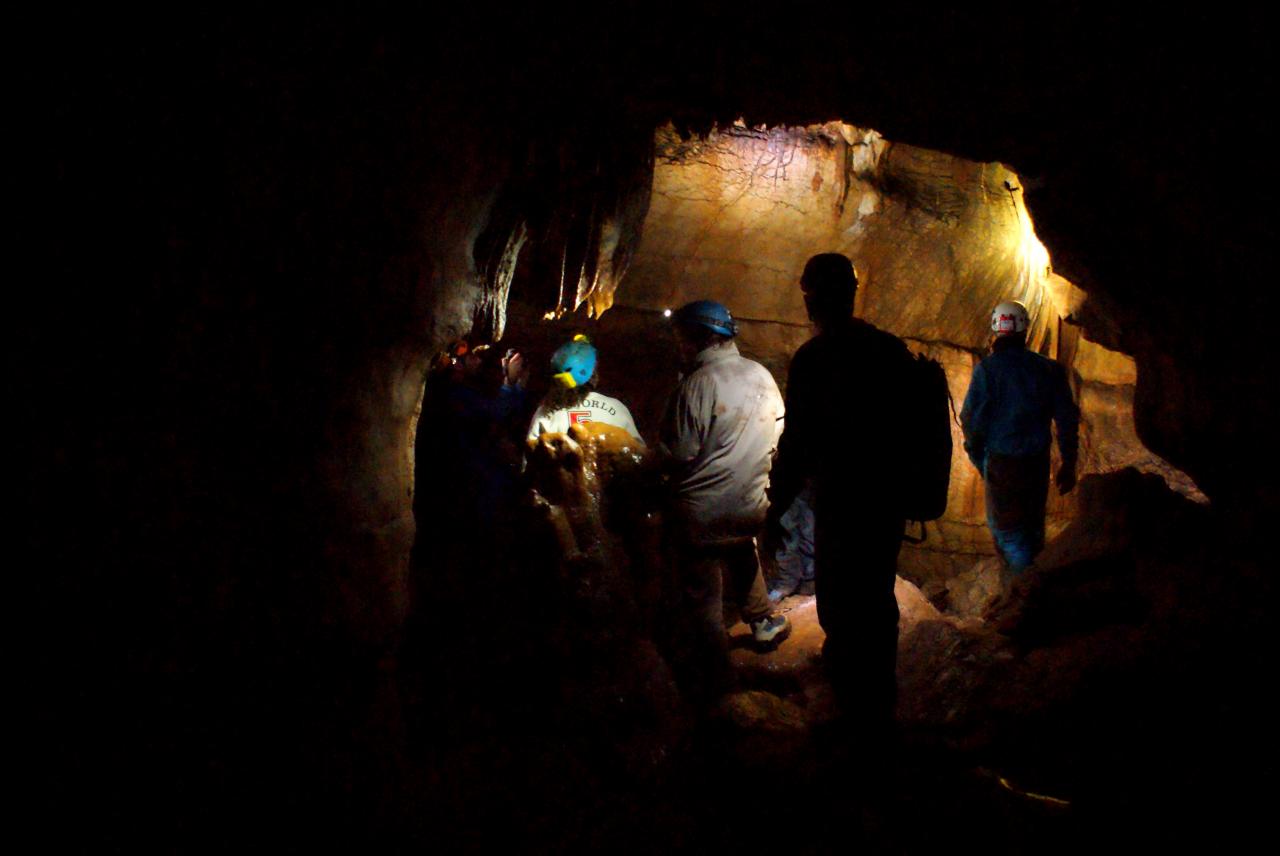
[
  {"x": 244, "y": 238},
  {"x": 937, "y": 240}
]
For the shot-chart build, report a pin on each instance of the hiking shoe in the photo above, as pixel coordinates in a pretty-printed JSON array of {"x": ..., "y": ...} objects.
[{"x": 770, "y": 630}]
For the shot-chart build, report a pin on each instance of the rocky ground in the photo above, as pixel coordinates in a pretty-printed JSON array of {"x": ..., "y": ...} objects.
[{"x": 1113, "y": 697}]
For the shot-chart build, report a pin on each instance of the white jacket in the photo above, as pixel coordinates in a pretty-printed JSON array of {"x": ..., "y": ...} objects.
[{"x": 721, "y": 428}]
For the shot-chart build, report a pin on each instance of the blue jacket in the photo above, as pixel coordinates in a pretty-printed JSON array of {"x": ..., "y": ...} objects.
[{"x": 1013, "y": 396}]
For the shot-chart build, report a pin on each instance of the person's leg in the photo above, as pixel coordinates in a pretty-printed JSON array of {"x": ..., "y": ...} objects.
[
  {"x": 701, "y": 655},
  {"x": 790, "y": 561},
  {"x": 795, "y": 557},
  {"x": 804, "y": 539},
  {"x": 1016, "y": 490},
  {"x": 834, "y": 566},
  {"x": 745, "y": 578},
  {"x": 856, "y": 565},
  {"x": 876, "y": 620}
]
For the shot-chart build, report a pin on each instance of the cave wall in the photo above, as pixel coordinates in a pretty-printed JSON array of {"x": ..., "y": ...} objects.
[
  {"x": 262, "y": 236},
  {"x": 937, "y": 240},
  {"x": 241, "y": 240}
]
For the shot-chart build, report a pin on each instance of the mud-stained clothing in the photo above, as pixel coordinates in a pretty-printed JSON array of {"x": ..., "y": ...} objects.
[
  {"x": 721, "y": 430},
  {"x": 709, "y": 577},
  {"x": 595, "y": 407},
  {"x": 719, "y": 435}
]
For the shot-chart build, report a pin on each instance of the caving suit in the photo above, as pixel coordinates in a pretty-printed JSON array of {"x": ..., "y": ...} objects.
[
  {"x": 720, "y": 431},
  {"x": 1013, "y": 396}
]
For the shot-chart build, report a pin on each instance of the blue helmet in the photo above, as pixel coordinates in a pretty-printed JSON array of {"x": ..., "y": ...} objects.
[
  {"x": 574, "y": 362},
  {"x": 710, "y": 314}
]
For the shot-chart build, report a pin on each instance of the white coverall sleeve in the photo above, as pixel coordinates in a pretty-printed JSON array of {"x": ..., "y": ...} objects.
[
  {"x": 780, "y": 411},
  {"x": 684, "y": 429}
]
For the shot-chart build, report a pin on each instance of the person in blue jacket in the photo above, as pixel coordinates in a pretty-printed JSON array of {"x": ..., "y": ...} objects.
[{"x": 1013, "y": 397}]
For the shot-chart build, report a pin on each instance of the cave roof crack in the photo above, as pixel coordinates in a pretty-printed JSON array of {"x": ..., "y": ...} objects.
[
  {"x": 735, "y": 261},
  {"x": 677, "y": 197}
]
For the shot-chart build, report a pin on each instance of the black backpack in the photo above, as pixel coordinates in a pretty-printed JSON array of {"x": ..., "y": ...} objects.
[{"x": 925, "y": 462}]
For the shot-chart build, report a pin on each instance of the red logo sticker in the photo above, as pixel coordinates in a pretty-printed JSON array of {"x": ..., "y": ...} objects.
[{"x": 578, "y": 416}]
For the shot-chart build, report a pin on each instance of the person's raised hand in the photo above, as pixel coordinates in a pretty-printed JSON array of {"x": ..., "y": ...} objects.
[{"x": 515, "y": 371}]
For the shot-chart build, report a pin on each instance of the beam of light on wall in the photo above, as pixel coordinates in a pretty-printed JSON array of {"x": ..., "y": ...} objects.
[{"x": 1033, "y": 270}]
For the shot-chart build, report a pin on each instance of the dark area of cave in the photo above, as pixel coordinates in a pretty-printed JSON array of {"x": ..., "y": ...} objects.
[{"x": 246, "y": 239}]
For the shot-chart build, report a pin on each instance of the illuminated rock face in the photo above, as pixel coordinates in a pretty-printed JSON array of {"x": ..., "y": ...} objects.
[
  {"x": 569, "y": 473},
  {"x": 607, "y": 584},
  {"x": 937, "y": 241}
]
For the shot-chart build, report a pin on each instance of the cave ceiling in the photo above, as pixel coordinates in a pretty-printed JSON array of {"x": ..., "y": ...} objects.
[{"x": 284, "y": 159}]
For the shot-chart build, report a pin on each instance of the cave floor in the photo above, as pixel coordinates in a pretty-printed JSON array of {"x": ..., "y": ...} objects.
[
  {"x": 907, "y": 793},
  {"x": 1119, "y": 711},
  {"x": 771, "y": 766}
]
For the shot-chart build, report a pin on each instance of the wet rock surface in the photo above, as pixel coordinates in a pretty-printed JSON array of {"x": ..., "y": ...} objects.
[{"x": 937, "y": 239}]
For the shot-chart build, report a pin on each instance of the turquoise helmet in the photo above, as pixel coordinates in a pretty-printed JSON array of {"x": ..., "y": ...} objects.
[{"x": 574, "y": 362}]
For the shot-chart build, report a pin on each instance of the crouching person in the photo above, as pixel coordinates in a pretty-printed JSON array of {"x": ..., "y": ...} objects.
[{"x": 718, "y": 436}]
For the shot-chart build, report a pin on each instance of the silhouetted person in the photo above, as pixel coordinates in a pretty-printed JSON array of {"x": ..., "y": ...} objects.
[
  {"x": 844, "y": 390},
  {"x": 467, "y": 461},
  {"x": 1013, "y": 396}
]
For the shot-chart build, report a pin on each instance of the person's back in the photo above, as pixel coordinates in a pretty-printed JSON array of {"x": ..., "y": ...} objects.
[
  {"x": 844, "y": 391},
  {"x": 573, "y": 399},
  {"x": 556, "y": 415},
  {"x": 723, "y": 427},
  {"x": 717, "y": 438},
  {"x": 1018, "y": 394},
  {"x": 1013, "y": 397}
]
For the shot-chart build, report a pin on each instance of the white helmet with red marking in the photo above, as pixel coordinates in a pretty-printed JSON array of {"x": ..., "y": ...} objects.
[{"x": 1010, "y": 317}]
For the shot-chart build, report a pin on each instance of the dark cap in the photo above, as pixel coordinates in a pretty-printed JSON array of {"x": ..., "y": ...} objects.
[{"x": 829, "y": 273}]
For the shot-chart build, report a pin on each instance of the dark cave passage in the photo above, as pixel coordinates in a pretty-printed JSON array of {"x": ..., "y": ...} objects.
[{"x": 277, "y": 622}]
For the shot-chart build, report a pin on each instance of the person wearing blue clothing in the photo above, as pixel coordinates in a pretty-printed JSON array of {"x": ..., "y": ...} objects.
[
  {"x": 1013, "y": 397},
  {"x": 794, "y": 557}
]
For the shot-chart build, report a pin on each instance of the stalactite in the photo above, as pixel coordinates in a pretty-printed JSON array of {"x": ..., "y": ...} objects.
[{"x": 577, "y": 207}]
